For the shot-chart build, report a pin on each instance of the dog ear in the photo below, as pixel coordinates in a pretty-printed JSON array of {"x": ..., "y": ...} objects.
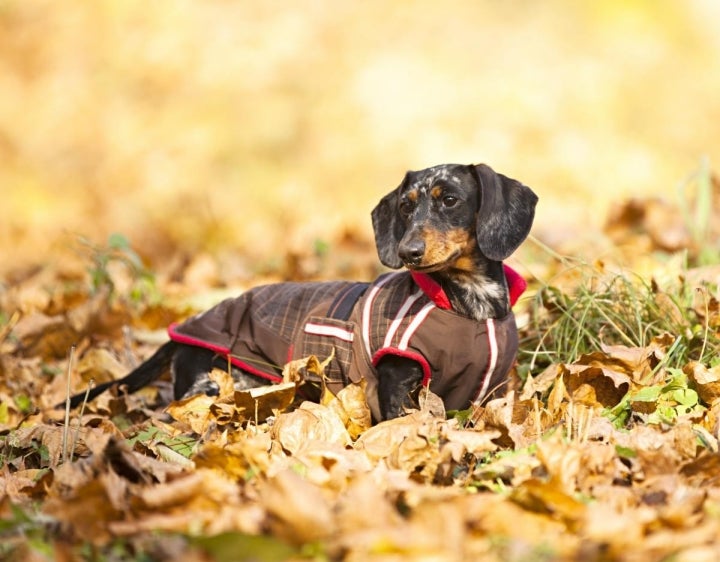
[
  {"x": 389, "y": 228},
  {"x": 506, "y": 213}
]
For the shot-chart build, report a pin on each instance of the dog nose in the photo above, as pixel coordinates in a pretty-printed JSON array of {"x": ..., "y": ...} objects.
[{"x": 412, "y": 252}]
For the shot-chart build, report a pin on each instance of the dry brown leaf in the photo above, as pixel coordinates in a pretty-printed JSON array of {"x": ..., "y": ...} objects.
[
  {"x": 608, "y": 384},
  {"x": 297, "y": 509},
  {"x": 703, "y": 470},
  {"x": 418, "y": 453},
  {"x": 100, "y": 365},
  {"x": 23, "y": 485},
  {"x": 365, "y": 514},
  {"x": 660, "y": 452},
  {"x": 250, "y": 453},
  {"x": 92, "y": 507},
  {"x": 558, "y": 394},
  {"x": 224, "y": 413},
  {"x": 194, "y": 412},
  {"x": 678, "y": 505},
  {"x": 707, "y": 381},
  {"x": 547, "y": 497},
  {"x": 562, "y": 462},
  {"x": 652, "y": 223},
  {"x": 382, "y": 439},
  {"x": 520, "y": 422},
  {"x": 541, "y": 383},
  {"x": 205, "y": 501},
  {"x": 260, "y": 403},
  {"x": 224, "y": 381},
  {"x": 600, "y": 466},
  {"x": 49, "y": 337},
  {"x": 496, "y": 516},
  {"x": 472, "y": 441},
  {"x": 351, "y": 406},
  {"x": 329, "y": 465},
  {"x": 310, "y": 422},
  {"x": 620, "y": 530},
  {"x": 296, "y": 370},
  {"x": 431, "y": 404}
]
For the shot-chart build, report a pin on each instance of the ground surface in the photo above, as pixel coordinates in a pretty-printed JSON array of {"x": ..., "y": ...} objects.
[{"x": 156, "y": 158}]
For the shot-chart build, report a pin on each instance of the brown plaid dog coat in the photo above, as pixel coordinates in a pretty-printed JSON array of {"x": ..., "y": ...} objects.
[{"x": 404, "y": 313}]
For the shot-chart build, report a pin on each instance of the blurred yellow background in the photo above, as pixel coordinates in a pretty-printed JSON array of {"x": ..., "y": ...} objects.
[{"x": 265, "y": 125}]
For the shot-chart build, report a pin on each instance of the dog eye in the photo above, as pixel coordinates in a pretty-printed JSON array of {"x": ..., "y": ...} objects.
[
  {"x": 406, "y": 207},
  {"x": 449, "y": 201}
]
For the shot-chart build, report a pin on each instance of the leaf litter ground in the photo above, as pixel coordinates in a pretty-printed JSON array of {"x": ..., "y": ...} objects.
[{"x": 604, "y": 448}]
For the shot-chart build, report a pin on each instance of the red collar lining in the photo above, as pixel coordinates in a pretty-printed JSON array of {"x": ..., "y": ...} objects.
[
  {"x": 516, "y": 287},
  {"x": 432, "y": 289}
]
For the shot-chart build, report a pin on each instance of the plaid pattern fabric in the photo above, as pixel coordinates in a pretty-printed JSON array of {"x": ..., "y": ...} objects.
[
  {"x": 463, "y": 360},
  {"x": 393, "y": 305},
  {"x": 259, "y": 329},
  {"x": 285, "y": 307}
]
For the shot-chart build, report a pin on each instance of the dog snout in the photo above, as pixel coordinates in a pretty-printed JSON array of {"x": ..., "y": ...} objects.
[{"x": 411, "y": 252}]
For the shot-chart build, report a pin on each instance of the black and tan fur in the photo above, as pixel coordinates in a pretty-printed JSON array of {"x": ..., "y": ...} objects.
[{"x": 454, "y": 222}]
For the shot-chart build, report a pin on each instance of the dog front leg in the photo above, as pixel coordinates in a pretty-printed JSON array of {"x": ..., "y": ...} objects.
[{"x": 399, "y": 378}]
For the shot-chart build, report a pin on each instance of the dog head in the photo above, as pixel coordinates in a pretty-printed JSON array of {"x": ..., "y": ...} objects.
[{"x": 440, "y": 216}]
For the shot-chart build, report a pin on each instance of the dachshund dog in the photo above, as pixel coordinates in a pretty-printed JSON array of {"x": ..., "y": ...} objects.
[{"x": 445, "y": 321}]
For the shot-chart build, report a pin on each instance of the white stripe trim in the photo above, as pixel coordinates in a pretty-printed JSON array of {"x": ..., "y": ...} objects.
[
  {"x": 401, "y": 313},
  {"x": 367, "y": 310},
  {"x": 334, "y": 331},
  {"x": 414, "y": 325},
  {"x": 493, "y": 350}
]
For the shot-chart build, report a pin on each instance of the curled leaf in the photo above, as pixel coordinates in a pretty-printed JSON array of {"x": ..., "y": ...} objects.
[{"x": 260, "y": 403}]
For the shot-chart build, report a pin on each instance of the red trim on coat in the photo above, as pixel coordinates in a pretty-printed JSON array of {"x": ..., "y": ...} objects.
[
  {"x": 432, "y": 289},
  {"x": 189, "y": 340},
  {"x": 515, "y": 282},
  {"x": 408, "y": 355}
]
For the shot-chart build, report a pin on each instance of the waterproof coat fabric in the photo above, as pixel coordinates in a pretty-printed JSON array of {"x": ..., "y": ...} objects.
[{"x": 402, "y": 314}]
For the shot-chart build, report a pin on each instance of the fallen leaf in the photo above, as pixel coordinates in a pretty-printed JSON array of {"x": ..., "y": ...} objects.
[
  {"x": 194, "y": 412},
  {"x": 547, "y": 497},
  {"x": 297, "y": 509},
  {"x": 224, "y": 381},
  {"x": 351, "y": 406},
  {"x": 707, "y": 381},
  {"x": 520, "y": 422},
  {"x": 382, "y": 439},
  {"x": 260, "y": 403},
  {"x": 310, "y": 422}
]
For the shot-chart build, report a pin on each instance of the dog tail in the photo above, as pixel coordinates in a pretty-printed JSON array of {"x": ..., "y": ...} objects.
[{"x": 147, "y": 372}]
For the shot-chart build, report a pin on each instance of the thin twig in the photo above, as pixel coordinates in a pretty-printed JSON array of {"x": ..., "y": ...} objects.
[
  {"x": 9, "y": 326},
  {"x": 66, "y": 428},
  {"x": 91, "y": 384},
  {"x": 707, "y": 322}
]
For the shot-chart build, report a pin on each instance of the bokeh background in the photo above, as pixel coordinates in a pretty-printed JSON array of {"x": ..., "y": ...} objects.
[{"x": 256, "y": 127}]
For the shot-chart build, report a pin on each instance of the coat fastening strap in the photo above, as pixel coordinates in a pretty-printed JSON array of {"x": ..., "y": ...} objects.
[{"x": 342, "y": 306}]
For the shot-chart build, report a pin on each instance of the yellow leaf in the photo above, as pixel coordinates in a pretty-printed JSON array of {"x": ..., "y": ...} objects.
[
  {"x": 224, "y": 381},
  {"x": 299, "y": 511},
  {"x": 193, "y": 411},
  {"x": 548, "y": 497},
  {"x": 100, "y": 365},
  {"x": 381, "y": 440},
  {"x": 351, "y": 406},
  {"x": 260, "y": 403},
  {"x": 707, "y": 381},
  {"x": 293, "y": 370},
  {"x": 307, "y": 423}
]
